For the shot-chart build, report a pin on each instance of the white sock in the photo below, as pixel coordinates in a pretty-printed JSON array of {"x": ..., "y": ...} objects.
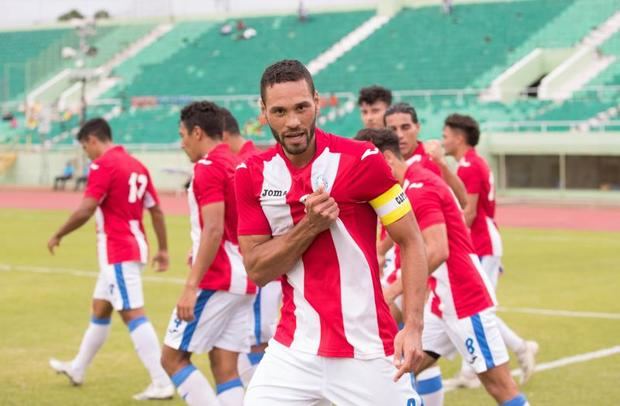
[
  {"x": 230, "y": 393},
  {"x": 147, "y": 346},
  {"x": 246, "y": 365},
  {"x": 194, "y": 388},
  {"x": 512, "y": 340},
  {"x": 430, "y": 387},
  {"x": 94, "y": 337}
]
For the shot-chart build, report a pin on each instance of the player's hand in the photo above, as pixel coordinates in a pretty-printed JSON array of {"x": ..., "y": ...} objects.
[
  {"x": 53, "y": 243},
  {"x": 435, "y": 150},
  {"x": 186, "y": 304},
  {"x": 321, "y": 210},
  {"x": 381, "y": 261},
  {"x": 408, "y": 353},
  {"x": 161, "y": 261}
]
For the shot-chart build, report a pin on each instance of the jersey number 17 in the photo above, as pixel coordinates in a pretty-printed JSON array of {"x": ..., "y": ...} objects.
[{"x": 137, "y": 186}]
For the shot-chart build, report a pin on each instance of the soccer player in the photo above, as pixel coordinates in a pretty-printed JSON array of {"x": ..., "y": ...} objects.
[
  {"x": 402, "y": 119},
  {"x": 309, "y": 214},
  {"x": 460, "y": 312},
  {"x": 231, "y": 135},
  {"x": 213, "y": 313},
  {"x": 460, "y": 137},
  {"x": 373, "y": 101},
  {"x": 119, "y": 188},
  {"x": 266, "y": 307}
]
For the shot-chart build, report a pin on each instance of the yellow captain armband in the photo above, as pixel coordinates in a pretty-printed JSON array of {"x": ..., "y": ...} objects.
[{"x": 391, "y": 205}]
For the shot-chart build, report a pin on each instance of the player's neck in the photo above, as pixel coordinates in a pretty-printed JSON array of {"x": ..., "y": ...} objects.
[
  {"x": 415, "y": 148},
  {"x": 105, "y": 147},
  {"x": 208, "y": 146},
  {"x": 461, "y": 152},
  {"x": 400, "y": 169},
  {"x": 236, "y": 143}
]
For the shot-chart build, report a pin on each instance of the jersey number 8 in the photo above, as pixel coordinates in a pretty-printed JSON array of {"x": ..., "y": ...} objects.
[{"x": 137, "y": 186}]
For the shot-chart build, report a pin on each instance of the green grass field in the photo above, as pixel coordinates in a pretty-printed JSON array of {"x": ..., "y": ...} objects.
[{"x": 45, "y": 309}]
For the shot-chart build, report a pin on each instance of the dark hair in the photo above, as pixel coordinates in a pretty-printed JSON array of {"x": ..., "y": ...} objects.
[
  {"x": 384, "y": 139},
  {"x": 96, "y": 127},
  {"x": 404, "y": 108},
  {"x": 229, "y": 122},
  {"x": 204, "y": 115},
  {"x": 287, "y": 70},
  {"x": 373, "y": 94},
  {"x": 467, "y": 125}
]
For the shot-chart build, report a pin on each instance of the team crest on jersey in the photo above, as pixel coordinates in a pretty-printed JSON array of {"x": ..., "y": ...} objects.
[{"x": 320, "y": 181}]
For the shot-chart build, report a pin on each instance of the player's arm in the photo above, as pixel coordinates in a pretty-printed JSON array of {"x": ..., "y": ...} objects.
[
  {"x": 76, "y": 220},
  {"x": 383, "y": 246},
  {"x": 436, "y": 244},
  {"x": 455, "y": 183},
  {"x": 435, "y": 150},
  {"x": 161, "y": 259},
  {"x": 470, "y": 208},
  {"x": 266, "y": 258},
  {"x": 210, "y": 239},
  {"x": 414, "y": 273}
]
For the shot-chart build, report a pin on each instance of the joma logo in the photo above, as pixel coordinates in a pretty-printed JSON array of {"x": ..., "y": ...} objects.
[{"x": 273, "y": 193}]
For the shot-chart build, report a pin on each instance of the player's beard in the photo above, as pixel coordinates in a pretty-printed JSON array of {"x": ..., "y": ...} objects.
[{"x": 295, "y": 150}]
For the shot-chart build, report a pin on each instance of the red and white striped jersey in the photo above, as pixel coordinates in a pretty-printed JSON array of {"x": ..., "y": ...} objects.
[
  {"x": 123, "y": 188},
  {"x": 459, "y": 287},
  {"x": 333, "y": 305},
  {"x": 420, "y": 157},
  {"x": 213, "y": 182},
  {"x": 478, "y": 179}
]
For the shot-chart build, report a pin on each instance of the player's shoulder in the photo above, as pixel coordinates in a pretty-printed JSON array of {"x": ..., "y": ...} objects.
[
  {"x": 420, "y": 178},
  {"x": 357, "y": 150},
  {"x": 257, "y": 161}
]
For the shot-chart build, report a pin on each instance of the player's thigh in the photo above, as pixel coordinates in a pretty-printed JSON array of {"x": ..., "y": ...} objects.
[
  {"x": 236, "y": 334},
  {"x": 492, "y": 266},
  {"x": 357, "y": 382},
  {"x": 436, "y": 341},
  {"x": 478, "y": 340},
  {"x": 211, "y": 315},
  {"x": 124, "y": 284},
  {"x": 286, "y": 377}
]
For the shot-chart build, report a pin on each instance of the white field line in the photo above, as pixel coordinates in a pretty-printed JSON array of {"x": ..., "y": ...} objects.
[
  {"x": 179, "y": 281},
  {"x": 81, "y": 273},
  {"x": 560, "y": 313},
  {"x": 573, "y": 359}
]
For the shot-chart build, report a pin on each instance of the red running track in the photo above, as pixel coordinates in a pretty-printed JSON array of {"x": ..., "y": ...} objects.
[{"x": 508, "y": 215}]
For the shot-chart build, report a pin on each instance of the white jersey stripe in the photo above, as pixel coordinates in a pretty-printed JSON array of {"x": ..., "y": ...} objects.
[
  {"x": 307, "y": 337},
  {"x": 102, "y": 245},
  {"x": 134, "y": 227},
  {"x": 324, "y": 170},
  {"x": 356, "y": 294},
  {"x": 276, "y": 184},
  {"x": 496, "y": 239},
  {"x": 194, "y": 218},
  {"x": 238, "y": 277}
]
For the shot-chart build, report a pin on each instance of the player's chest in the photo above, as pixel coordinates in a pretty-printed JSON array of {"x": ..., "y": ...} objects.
[{"x": 282, "y": 195}]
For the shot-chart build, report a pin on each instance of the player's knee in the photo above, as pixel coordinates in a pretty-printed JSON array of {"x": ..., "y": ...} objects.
[{"x": 172, "y": 360}]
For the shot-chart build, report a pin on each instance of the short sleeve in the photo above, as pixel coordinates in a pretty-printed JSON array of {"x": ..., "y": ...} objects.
[
  {"x": 209, "y": 184},
  {"x": 426, "y": 206},
  {"x": 151, "y": 198},
  {"x": 99, "y": 180},
  {"x": 373, "y": 182},
  {"x": 471, "y": 178},
  {"x": 252, "y": 220}
]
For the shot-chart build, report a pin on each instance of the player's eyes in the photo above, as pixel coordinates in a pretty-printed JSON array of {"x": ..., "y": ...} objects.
[{"x": 301, "y": 108}]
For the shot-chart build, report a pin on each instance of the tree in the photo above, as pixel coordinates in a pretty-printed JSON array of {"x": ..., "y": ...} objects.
[
  {"x": 102, "y": 14},
  {"x": 70, "y": 15}
]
